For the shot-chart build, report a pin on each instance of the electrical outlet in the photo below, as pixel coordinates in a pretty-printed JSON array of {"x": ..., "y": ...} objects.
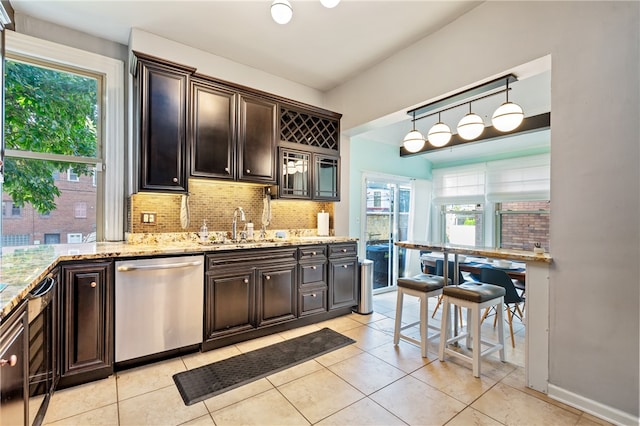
[{"x": 149, "y": 218}]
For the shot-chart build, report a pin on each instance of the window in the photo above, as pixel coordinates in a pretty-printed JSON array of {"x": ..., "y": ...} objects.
[
  {"x": 15, "y": 240},
  {"x": 463, "y": 224},
  {"x": 72, "y": 176},
  {"x": 74, "y": 238},
  {"x": 521, "y": 224},
  {"x": 85, "y": 116},
  {"x": 80, "y": 210}
]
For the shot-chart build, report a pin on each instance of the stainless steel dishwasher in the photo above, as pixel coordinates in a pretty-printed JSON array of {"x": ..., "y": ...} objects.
[{"x": 159, "y": 305}]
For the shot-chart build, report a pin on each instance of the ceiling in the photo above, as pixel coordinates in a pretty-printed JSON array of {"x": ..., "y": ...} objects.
[{"x": 320, "y": 48}]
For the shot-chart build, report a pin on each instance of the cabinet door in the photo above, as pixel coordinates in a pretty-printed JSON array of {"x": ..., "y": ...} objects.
[
  {"x": 295, "y": 177},
  {"x": 277, "y": 298},
  {"x": 326, "y": 177},
  {"x": 14, "y": 369},
  {"x": 229, "y": 302},
  {"x": 87, "y": 319},
  {"x": 213, "y": 131},
  {"x": 342, "y": 282},
  {"x": 257, "y": 140},
  {"x": 163, "y": 97}
]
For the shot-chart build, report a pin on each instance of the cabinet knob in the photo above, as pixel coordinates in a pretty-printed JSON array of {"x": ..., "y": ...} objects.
[
  {"x": 246, "y": 281},
  {"x": 175, "y": 180},
  {"x": 344, "y": 250},
  {"x": 345, "y": 266},
  {"x": 12, "y": 361},
  {"x": 248, "y": 171},
  {"x": 267, "y": 277},
  {"x": 313, "y": 295},
  {"x": 314, "y": 267},
  {"x": 226, "y": 169},
  {"x": 93, "y": 284},
  {"x": 313, "y": 253}
]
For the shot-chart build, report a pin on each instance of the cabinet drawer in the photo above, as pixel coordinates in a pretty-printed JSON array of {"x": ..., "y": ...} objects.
[
  {"x": 313, "y": 300},
  {"x": 313, "y": 273},
  {"x": 313, "y": 252},
  {"x": 342, "y": 250}
]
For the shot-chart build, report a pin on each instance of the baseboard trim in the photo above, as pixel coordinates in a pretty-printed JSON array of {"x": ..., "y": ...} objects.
[{"x": 605, "y": 412}]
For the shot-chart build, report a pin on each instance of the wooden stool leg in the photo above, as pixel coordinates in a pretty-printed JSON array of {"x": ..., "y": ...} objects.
[
  {"x": 445, "y": 325},
  {"x": 476, "y": 341},
  {"x": 433, "y": 315},
  {"x": 510, "y": 319},
  {"x": 424, "y": 324},
  {"x": 499, "y": 313},
  {"x": 396, "y": 332}
]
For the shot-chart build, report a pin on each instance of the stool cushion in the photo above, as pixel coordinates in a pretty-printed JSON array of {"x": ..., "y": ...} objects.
[
  {"x": 422, "y": 282},
  {"x": 477, "y": 293}
]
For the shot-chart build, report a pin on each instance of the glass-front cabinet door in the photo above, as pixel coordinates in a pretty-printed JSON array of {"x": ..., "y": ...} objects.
[
  {"x": 326, "y": 172},
  {"x": 295, "y": 181}
]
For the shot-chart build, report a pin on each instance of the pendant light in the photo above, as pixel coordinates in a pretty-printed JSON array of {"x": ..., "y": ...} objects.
[
  {"x": 508, "y": 116},
  {"x": 470, "y": 126},
  {"x": 281, "y": 11},
  {"x": 414, "y": 141},
  {"x": 440, "y": 134},
  {"x": 329, "y": 4}
]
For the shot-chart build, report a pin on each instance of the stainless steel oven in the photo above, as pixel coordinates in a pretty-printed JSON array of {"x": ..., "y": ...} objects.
[{"x": 42, "y": 350}]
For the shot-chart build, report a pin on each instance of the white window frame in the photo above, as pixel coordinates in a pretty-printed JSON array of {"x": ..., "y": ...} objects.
[
  {"x": 110, "y": 216},
  {"x": 72, "y": 176}
]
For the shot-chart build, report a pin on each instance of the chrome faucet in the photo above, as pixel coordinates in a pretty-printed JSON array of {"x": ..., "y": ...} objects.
[{"x": 234, "y": 225}]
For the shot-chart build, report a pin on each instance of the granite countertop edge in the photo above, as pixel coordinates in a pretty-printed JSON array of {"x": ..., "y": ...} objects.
[{"x": 22, "y": 278}]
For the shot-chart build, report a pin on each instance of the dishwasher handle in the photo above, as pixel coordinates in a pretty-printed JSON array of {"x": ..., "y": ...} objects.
[{"x": 129, "y": 268}]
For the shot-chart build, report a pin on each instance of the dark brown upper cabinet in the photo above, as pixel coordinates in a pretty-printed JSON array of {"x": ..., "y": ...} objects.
[
  {"x": 162, "y": 99},
  {"x": 213, "y": 112},
  {"x": 233, "y": 134}
]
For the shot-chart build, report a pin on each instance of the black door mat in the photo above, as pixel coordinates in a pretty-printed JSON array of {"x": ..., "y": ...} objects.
[{"x": 210, "y": 380}]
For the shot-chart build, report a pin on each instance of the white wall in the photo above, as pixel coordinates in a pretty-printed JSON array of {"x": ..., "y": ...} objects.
[{"x": 595, "y": 183}]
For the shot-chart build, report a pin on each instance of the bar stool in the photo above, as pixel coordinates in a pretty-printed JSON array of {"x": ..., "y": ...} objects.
[
  {"x": 422, "y": 286},
  {"x": 475, "y": 297}
]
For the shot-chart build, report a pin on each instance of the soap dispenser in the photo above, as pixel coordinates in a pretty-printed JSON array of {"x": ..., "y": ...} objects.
[{"x": 204, "y": 232}]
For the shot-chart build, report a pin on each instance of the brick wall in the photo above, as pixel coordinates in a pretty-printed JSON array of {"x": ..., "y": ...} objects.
[{"x": 521, "y": 231}]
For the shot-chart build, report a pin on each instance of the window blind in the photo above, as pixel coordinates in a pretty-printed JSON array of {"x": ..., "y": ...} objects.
[
  {"x": 519, "y": 179},
  {"x": 459, "y": 185}
]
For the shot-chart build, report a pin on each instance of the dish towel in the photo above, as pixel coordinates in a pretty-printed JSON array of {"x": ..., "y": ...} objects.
[
  {"x": 266, "y": 210},
  {"x": 184, "y": 212}
]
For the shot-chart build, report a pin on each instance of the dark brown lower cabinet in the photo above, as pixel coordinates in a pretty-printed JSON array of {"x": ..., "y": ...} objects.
[
  {"x": 343, "y": 275},
  {"x": 277, "y": 294},
  {"x": 14, "y": 368},
  {"x": 229, "y": 302},
  {"x": 87, "y": 346}
]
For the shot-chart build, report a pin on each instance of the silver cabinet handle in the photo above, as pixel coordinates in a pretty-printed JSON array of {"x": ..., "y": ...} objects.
[
  {"x": 226, "y": 169},
  {"x": 313, "y": 295},
  {"x": 313, "y": 253},
  {"x": 246, "y": 281},
  {"x": 344, "y": 250},
  {"x": 93, "y": 284},
  {"x": 314, "y": 267},
  {"x": 267, "y": 277},
  {"x": 127, "y": 268},
  {"x": 345, "y": 266},
  {"x": 248, "y": 171},
  {"x": 11, "y": 362},
  {"x": 175, "y": 180}
]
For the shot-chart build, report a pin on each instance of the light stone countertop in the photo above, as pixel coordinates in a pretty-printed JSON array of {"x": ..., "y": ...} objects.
[
  {"x": 22, "y": 268},
  {"x": 517, "y": 255}
]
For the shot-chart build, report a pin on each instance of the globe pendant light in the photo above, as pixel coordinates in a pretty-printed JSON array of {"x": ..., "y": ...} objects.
[
  {"x": 414, "y": 141},
  {"x": 281, "y": 11},
  {"x": 470, "y": 126},
  {"x": 329, "y": 4},
  {"x": 508, "y": 116},
  {"x": 440, "y": 134}
]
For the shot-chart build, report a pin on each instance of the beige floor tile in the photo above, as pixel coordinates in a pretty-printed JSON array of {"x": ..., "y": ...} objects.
[
  {"x": 300, "y": 331},
  {"x": 367, "y": 373},
  {"x": 199, "y": 359},
  {"x": 80, "y": 399},
  {"x": 294, "y": 372},
  {"x": 340, "y": 324},
  {"x": 261, "y": 342},
  {"x": 101, "y": 416},
  {"x": 148, "y": 378},
  {"x": 516, "y": 379},
  {"x": 386, "y": 325},
  {"x": 471, "y": 417},
  {"x": 320, "y": 394},
  {"x": 490, "y": 365},
  {"x": 267, "y": 408},
  {"x": 368, "y": 338},
  {"x": 205, "y": 420},
  {"x": 338, "y": 355},
  {"x": 454, "y": 380},
  {"x": 362, "y": 413},
  {"x": 369, "y": 318},
  {"x": 238, "y": 394},
  {"x": 417, "y": 403},
  {"x": 513, "y": 407},
  {"x": 406, "y": 356},
  {"x": 160, "y": 407}
]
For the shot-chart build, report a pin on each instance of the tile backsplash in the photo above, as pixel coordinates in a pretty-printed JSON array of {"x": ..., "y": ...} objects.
[{"x": 215, "y": 203}]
